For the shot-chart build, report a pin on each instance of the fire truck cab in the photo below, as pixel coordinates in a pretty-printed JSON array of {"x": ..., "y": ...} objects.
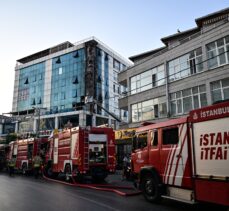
[
  {"x": 185, "y": 159},
  {"x": 82, "y": 151}
]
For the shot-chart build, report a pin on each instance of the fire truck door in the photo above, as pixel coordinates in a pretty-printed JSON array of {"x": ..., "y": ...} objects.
[
  {"x": 154, "y": 150},
  {"x": 141, "y": 155},
  {"x": 55, "y": 151},
  {"x": 174, "y": 154}
]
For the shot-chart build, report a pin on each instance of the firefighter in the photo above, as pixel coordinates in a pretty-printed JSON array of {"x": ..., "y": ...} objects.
[
  {"x": 11, "y": 165},
  {"x": 36, "y": 165},
  {"x": 124, "y": 165}
]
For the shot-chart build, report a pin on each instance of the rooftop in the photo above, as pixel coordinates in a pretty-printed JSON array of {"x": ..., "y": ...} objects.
[{"x": 46, "y": 52}]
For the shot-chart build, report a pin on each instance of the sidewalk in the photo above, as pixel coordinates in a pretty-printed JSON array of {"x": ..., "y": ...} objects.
[{"x": 116, "y": 179}]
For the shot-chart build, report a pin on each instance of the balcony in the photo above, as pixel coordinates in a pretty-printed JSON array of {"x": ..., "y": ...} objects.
[{"x": 123, "y": 103}]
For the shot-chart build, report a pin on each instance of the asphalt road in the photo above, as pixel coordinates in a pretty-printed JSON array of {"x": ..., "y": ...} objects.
[{"x": 20, "y": 193}]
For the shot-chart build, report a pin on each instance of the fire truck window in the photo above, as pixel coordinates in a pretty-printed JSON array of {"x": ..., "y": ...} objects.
[
  {"x": 97, "y": 153},
  {"x": 141, "y": 140},
  {"x": 154, "y": 138},
  {"x": 134, "y": 143},
  {"x": 30, "y": 151},
  {"x": 170, "y": 136}
]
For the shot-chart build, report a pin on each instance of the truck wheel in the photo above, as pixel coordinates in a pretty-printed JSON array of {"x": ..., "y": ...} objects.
[
  {"x": 67, "y": 172},
  {"x": 67, "y": 169},
  {"x": 24, "y": 168},
  {"x": 150, "y": 188}
]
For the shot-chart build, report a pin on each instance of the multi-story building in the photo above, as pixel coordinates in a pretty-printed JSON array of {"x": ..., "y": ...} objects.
[
  {"x": 190, "y": 71},
  {"x": 7, "y": 126},
  {"x": 64, "y": 84}
]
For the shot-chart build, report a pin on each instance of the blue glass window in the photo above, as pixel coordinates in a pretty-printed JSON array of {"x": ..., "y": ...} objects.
[
  {"x": 33, "y": 102},
  {"x": 74, "y": 93},
  {"x": 63, "y": 82},
  {"x": 56, "y": 96},
  {"x": 62, "y": 95}
]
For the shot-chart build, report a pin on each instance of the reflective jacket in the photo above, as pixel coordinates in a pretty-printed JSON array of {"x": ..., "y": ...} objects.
[
  {"x": 12, "y": 162},
  {"x": 37, "y": 161}
]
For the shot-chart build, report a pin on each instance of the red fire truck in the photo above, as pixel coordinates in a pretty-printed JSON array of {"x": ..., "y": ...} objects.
[
  {"x": 82, "y": 151},
  {"x": 185, "y": 159},
  {"x": 24, "y": 150}
]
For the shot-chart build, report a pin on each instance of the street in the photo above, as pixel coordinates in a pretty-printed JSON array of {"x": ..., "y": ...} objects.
[{"x": 22, "y": 193}]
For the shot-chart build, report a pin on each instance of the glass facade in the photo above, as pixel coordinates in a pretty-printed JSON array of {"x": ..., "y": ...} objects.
[
  {"x": 182, "y": 102},
  {"x": 185, "y": 65},
  {"x": 218, "y": 52},
  {"x": 31, "y": 86},
  {"x": 220, "y": 90},
  {"x": 108, "y": 89},
  {"x": 67, "y": 84},
  {"x": 148, "y": 110},
  {"x": 148, "y": 79}
]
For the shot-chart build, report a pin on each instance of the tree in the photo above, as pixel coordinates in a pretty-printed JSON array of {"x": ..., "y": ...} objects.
[{"x": 11, "y": 137}]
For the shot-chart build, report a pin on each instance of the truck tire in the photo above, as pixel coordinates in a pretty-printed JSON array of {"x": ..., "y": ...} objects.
[
  {"x": 150, "y": 188},
  {"x": 67, "y": 171},
  {"x": 24, "y": 168}
]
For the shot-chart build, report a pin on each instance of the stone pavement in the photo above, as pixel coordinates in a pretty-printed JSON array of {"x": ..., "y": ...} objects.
[{"x": 116, "y": 179}]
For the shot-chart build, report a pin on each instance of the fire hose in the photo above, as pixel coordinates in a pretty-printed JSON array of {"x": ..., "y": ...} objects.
[{"x": 99, "y": 187}]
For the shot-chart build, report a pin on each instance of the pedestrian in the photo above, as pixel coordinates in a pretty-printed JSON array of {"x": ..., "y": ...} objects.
[
  {"x": 11, "y": 165},
  {"x": 124, "y": 165},
  {"x": 36, "y": 165}
]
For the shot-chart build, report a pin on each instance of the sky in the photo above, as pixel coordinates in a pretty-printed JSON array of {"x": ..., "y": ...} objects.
[{"x": 129, "y": 27}]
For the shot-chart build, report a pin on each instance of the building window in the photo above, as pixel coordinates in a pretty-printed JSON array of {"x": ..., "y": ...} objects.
[
  {"x": 60, "y": 70},
  {"x": 106, "y": 57},
  {"x": 218, "y": 52},
  {"x": 75, "y": 79},
  {"x": 40, "y": 76},
  {"x": 56, "y": 97},
  {"x": 99, "y": 80},
  {"x": 33, "y": 90},
  {"x": 116, "y": 65},
  {"x": 33, "y": 101},
  {"x": 74, "y": 93},
  {"x": 63, "y": 82},
  {"x": 33, "y": 78},
  {"x": 76, "y": 54},
  {"x": 220, "y": 90},
  {"x": 99, "y": 52},
  {"x": 26, "y": 81},
  {"x": 115, "y": 76},
  {"x": 188, "y": 99},
  {"x": 154, "y": 80},
  {"x": 39, "y": 100},
  {"x": 186, "y": 65},
  {"x": 58, "y": 61},
  {"x": 62, "y": 96},
  {"x": 148, "y": 79},
  {"x": 148, "y": 110}
]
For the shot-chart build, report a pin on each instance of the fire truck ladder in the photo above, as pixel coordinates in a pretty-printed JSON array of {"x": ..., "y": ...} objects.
[{"x": 86, "y": 151}]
